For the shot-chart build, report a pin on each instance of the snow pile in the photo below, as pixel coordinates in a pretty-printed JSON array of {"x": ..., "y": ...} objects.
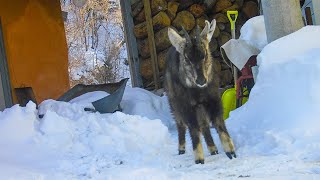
[
  {"x": 83, "y": 143},
  {"x": 137, "y": 101},
  {"x": 96, "y": 142},
  {"x": 286, "y": 49},
  {"x": 13, "y": 118},
  {"x": 254, "y": 32},
  {"x": 89, "y": 97},
  {"x": 282, "y": 114}
]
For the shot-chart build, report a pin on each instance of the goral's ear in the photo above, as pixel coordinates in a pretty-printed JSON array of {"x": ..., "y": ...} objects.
[
  {"x": 176, "y": 40},
  {"x": 208, "y": 30}
]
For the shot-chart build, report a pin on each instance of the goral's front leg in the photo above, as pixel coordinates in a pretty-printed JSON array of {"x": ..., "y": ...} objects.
[
  {"x": 225, "y": 138},
  {"x": 197, "y": 146}
]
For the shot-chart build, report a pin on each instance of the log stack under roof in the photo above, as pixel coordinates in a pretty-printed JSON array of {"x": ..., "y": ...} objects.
[{"x": 187, "y": 13}]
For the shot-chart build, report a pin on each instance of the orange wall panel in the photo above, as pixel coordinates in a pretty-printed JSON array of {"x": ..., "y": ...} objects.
[{"x": 36, "y": 46}]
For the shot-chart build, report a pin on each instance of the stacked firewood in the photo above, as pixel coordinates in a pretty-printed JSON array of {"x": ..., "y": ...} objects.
[{"x": 189, "y": 14}]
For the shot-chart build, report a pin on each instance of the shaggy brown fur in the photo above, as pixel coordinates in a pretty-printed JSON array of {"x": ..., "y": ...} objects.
[{"x": 191, "y": 83}]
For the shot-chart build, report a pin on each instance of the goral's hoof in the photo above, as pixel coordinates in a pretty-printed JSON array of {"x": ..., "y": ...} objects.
[
  {"x": 200, "y": 161},
  {"x": 230, "y": 154},
  {"x": 182, "y": 152},
  {"x": 214, "y": 153}
]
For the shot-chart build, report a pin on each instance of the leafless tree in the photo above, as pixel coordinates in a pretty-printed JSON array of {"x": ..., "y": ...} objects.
[{"x": 95, "y": 41}]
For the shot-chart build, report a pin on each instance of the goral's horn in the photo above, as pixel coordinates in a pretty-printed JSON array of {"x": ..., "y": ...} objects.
[
  {"x": 186, "y": 35},
  {"x": 198, "y": 35}
]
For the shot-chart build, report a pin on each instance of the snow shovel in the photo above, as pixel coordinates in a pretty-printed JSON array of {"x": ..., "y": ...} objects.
[
  {"x": 229, "y": 96},
  {"x": 108, "y": 104}
]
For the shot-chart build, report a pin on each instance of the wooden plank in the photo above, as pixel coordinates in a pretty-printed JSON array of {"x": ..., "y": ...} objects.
[
  {"x": 5, "y": 78},
  {"x": 308, "y": 16},
  {"x": 131, "y": 43},
  {"x": 152, "y": 46}
]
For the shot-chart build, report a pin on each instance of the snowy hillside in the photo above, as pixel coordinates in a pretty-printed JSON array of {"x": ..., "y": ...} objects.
[
  {"x": 96, "y": 45},
  {"x": 276, "y": 133}
]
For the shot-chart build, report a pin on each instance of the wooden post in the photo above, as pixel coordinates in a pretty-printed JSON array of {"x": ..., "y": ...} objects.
[
  {"x": 131, "y": 43},
  {"x": 281, "y": 17},
  {"x": 4, "y": 73},
  {"x": 307, "y": 10},
  {"x": 152, "y": 46}
]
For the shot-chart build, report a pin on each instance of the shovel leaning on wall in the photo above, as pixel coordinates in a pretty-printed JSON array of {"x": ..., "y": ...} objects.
[{"x": 229, "y": 96}]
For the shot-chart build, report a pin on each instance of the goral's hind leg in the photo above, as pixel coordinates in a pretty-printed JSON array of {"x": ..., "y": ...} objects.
[
  {"x": 182, "y": 137},
  {"x": 208, "y": 138},
  {"x": 203, "y": 118},
  {"x": 224, "y": 136}
]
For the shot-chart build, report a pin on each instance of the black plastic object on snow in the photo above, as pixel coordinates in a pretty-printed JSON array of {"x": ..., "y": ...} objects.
[{"x": 108, "y": 104}]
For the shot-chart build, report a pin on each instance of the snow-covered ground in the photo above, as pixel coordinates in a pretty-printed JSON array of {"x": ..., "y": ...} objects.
[{"x": 276, "y": 133}]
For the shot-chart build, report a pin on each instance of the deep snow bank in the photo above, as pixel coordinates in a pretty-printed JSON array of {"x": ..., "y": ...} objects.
[
  {"x": 137, "y": 101},
  {"x": 82, "y": 143},
  {"x": 254, "y": 32},
  {"x": 282, "y": 114}
]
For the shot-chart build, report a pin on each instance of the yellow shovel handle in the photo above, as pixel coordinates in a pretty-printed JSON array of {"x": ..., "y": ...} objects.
[{"x": 232, "y": 21}]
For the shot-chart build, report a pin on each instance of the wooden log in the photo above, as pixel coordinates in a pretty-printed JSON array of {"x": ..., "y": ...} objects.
[
  {"x": 216, "y": 54},
  {"x": 201, "y": 21},
  {"x": 240, "y": 2},
  {"x": 159, "y": 21},
  {"x": 228, "y": 27},
  {"x": 250, "y": 9},
  {"x": 143, "y": 48},
  {"x": 134, "y": 1},
  {"x": 223, "y": 38},
  {"x": 197, "y": 10},
  {"x": 213, "y": 45},
  {"x": 140, "y": 17},
  {"x": 136, "y": 8},
  {"x": 146, "y": 67},
  {"x": 234, "y": 7},
  {"x": 221, "y": 26},
  {"x": 221, "y": 18},
  {"x": 154, "y": 58},
  {"x": 172, "y": 9},
  {"x": 162, "y": 42},
  {"x": 162, "y": 39},
  {"x": 162, "y": 56},
  {"x": 209, "y": 4},
  {"x": 221, "y": 5},
  {"x": 184, "y": 19},
  {"x": 156, "y": 7},
  {"x": 184, "y": 4},
  {"x": 216, "y": 33},
  {"x": 217, "y": 66}
]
